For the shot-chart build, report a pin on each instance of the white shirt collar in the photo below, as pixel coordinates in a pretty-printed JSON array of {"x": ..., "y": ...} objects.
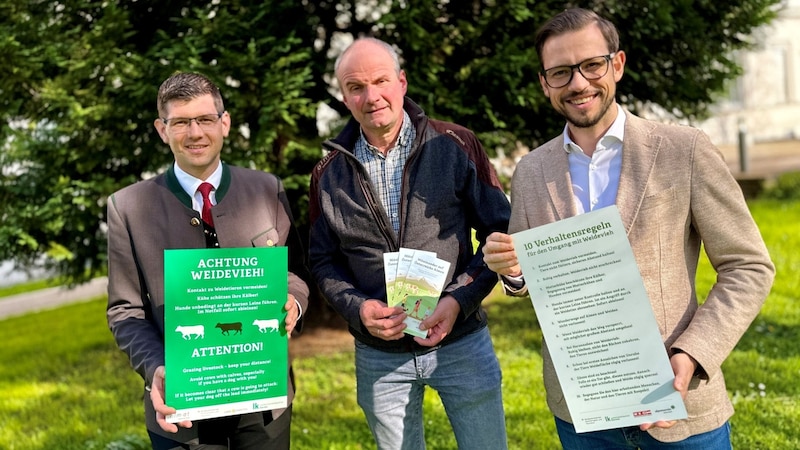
[
  {"x": 190, "y": 184},
  {"x": 616, "y": 132}
]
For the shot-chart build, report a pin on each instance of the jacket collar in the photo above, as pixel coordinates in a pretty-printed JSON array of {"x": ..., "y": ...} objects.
[
  {"x": 641, "y": 147},
  {"x": 346, "y": 139},
  {"x": 175, "y": 187}
]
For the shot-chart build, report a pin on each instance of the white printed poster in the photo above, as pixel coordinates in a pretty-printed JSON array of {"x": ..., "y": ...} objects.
[{"x": 597, "y": 322}]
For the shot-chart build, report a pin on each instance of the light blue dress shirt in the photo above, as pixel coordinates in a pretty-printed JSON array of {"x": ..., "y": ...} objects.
[{"x": 595, "y": 179}]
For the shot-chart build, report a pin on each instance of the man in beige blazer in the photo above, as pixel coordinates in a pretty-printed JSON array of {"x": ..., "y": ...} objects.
[
  {"x": 674, "y": 192},
  {"x": 250, "y": 209}
]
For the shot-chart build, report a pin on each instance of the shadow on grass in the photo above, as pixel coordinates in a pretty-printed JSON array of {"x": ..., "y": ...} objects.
[
  {"x": 771, "y": 339},
  {"x": 65, "y": 383},
  {"x": 512, "y": 320}
]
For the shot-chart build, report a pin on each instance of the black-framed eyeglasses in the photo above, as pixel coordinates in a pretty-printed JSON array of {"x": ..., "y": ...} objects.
[
  {"x": 591, "y": 69},
  {"x": 182, "y": 124}
]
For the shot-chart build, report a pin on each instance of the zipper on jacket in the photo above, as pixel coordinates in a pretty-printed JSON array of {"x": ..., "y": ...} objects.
[
  {"x": 416, "y": 147},
  {"x": 369, "y": 194},
  {"x": 376, "y": 213}
]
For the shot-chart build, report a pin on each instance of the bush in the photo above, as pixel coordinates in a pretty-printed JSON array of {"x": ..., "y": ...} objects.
[{"x": 785, "y": 187}]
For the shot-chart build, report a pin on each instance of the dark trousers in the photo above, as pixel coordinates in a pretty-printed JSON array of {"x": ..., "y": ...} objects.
[{"x": 247, "y": 432}]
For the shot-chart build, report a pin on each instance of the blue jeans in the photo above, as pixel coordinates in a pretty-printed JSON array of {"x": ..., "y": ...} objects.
[
  {"x": 634, "y": 438},
  {"x": 467, "y": 377}
]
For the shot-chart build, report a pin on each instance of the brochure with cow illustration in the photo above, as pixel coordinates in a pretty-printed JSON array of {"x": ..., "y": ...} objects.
[
  {"x": 225, "y": 339},
  {"x": 418, "y": 279},
  {"x": 404, "y": 259}
]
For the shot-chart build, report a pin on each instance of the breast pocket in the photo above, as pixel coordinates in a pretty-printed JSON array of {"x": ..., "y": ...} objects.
[
  {"x": 660, "y": 198},
  {"x": 267, "y": 238}
]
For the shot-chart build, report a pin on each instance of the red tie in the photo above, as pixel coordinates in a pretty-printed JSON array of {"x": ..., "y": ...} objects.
[{"x": 205, "y": 189}]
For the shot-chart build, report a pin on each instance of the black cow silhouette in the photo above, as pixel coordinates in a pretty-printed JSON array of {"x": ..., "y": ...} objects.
[{"x": 228, "y": 327}]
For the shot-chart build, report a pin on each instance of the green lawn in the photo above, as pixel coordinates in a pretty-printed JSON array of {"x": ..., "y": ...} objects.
[
  {"x": 28, "y": 286},
  {"x": 64, "y": 385}
]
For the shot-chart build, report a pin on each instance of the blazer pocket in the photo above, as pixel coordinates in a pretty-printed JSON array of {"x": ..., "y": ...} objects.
[
  {"x": 268, "y": 238},
  {"x": 665, "y": 196}
]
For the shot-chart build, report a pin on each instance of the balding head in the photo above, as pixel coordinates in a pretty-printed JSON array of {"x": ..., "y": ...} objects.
[{"x": 366, "y": 44}]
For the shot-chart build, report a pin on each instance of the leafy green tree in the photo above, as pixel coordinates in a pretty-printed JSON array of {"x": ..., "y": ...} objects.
[
  {"x": 79, "y": 103},
  {"x": 79, "y": 80},
  {"x": 475, "y": 61},
  {"x": 66, "y": 125}
]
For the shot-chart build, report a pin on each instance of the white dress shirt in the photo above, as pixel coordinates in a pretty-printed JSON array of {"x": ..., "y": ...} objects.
[
  {"x": 190, "y": 184},
  {"x": 595, "y": 179}
]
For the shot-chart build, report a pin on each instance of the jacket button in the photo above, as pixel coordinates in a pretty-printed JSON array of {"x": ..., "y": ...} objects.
[{"x": 195, "y": 222}]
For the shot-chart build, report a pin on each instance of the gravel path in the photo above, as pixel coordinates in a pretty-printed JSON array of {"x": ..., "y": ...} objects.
[{"x": 50, "y": 298}]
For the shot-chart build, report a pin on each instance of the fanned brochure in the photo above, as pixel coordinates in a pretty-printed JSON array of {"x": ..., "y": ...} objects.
[{"x": 414, "y": 280}]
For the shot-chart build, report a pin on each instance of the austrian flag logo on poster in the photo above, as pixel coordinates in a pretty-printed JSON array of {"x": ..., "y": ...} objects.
[{"x": 642, "y": 413}]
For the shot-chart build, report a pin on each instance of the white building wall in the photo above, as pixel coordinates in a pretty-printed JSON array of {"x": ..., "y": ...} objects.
[{"x": 766, "y": 99}]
